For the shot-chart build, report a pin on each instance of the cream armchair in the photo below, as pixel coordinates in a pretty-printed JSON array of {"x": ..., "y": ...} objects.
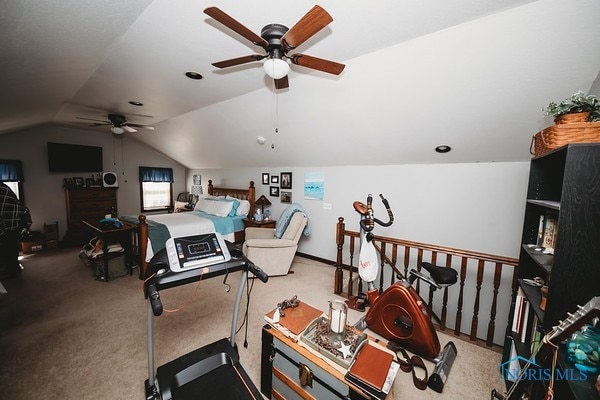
[{"x": 271, "y": 254}]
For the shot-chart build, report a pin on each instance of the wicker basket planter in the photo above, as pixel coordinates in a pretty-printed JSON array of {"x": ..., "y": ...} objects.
[{"x": 559, "y": 135}]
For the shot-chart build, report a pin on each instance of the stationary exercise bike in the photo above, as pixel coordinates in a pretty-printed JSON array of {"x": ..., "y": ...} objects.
[{"x": 399, "y": 314}]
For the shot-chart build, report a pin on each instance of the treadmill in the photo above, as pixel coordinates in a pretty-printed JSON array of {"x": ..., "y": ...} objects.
[{"x": 212, "y": 371}]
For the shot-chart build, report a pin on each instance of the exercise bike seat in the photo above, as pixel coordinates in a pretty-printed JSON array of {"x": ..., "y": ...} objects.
[{"x": 443, "y": 276}]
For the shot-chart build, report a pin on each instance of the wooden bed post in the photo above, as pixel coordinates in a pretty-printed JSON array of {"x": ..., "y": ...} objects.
[
  {"x": 142, "y": 241},
  {"x": 252, "y": 198},
  {"x": 339, "y": 240}
]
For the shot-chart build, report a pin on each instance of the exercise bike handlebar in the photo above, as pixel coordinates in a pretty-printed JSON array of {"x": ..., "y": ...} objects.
[{"x": 368, "y": 222}]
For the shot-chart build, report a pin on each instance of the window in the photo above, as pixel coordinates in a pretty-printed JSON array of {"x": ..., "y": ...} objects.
[
  {"x": 11, "y": 174},
  {"x": 156, "y": 188}
]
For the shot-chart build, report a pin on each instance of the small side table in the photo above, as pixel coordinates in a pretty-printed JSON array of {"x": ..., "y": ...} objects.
[
  {"x": 122, "y": 234},
  {"x": 250, "y": 223}
]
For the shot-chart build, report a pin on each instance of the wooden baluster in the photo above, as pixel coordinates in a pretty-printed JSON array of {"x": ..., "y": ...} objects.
[
  {"x": 445, "y": 298},
  {"x": 394, "y": 262},
  {"x": 419, "y": 261},
  {"x": 338, "y": 284},
  {"x": 382, "y": 263},
  {"x": 463, "y": 274},
  {"x": 350, "y": 275},
  {"x": 406, "y": 260},
  {"x": 475, "y": 320},
  {"x": 431, "y": 288},
  {"x": 492, "y": 324}
]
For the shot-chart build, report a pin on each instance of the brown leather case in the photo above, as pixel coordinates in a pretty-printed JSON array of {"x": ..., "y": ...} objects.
[
  {"x": 371, "y": 366},
  {"x": 298, "y": 318}
]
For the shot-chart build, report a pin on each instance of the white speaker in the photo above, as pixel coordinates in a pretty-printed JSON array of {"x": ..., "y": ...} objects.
[{"x": 109, "y": 179}]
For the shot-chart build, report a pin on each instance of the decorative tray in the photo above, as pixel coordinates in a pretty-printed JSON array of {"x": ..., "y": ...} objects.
[{"x": 316, "y": 335}]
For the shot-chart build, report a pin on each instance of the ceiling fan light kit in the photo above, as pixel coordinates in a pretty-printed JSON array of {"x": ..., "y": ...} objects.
[
  {"x": 277, "y": 40},
  {"x": 117, "y": 130},
  {"x": 276, "y": 68}
]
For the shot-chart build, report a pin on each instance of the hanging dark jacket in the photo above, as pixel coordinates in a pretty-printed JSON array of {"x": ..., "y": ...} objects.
[{"x": 13, "y": 214}]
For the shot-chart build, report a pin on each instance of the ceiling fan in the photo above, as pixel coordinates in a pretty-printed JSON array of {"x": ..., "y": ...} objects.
[
  {"x": 277, "y": 40},
  {"x": 119, "y": 124}
]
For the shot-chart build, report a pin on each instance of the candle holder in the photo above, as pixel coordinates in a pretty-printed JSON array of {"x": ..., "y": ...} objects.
[{"x": 338, "y": 316}]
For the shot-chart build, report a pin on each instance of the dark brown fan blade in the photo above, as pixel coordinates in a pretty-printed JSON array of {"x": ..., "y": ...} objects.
[
  {"x": 104, "y": 122},
  {"x": 320, "y": 64},
  {"x": 234, "y": 25},
  {"x": 312, "y": 22},
  {"x": 238, "y": 61},
  {"x": 282, "y": 83}
]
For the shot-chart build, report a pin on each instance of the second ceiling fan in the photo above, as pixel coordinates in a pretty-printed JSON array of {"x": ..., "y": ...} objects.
[{"x": 277, "y": 40}]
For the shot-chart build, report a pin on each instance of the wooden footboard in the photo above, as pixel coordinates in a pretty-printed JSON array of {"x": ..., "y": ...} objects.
[{"x": 142, "y": 231}]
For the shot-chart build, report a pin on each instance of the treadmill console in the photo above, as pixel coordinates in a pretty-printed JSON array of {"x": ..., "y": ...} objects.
[{"x": 191, "y": 252}]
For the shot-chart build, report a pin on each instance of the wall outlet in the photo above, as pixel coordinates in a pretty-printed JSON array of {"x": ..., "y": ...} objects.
[{"x": 326, "y": 206}]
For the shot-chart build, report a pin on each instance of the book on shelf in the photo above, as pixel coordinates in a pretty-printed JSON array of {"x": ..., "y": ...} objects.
[
  {"x": 549, "y": 237},
  {"x": 520, "y": 316}
]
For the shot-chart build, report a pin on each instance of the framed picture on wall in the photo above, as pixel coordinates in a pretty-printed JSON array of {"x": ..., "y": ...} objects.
[
  {"x": 286, "y": 180},
  {"x": 274, "y": 191},
  {"x": 274, "y": 179},
  {"x": 286, "y": 197},
  {"x": 265, "y": 178},
  {"x": 197, "y": 180}
]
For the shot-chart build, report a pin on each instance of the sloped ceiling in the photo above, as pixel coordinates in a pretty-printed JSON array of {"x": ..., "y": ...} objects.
[{"x": 470, "y": 74}]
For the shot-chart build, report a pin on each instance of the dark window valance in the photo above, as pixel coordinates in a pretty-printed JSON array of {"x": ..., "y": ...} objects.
[
  {"x": 151, "y": 174},
  {"x": 11, "y": 171}
]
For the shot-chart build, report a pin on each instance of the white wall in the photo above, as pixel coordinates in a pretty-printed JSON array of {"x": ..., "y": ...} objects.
[
  {"x": 476, "y": 206},
  {"x": 43, "y": 190}
]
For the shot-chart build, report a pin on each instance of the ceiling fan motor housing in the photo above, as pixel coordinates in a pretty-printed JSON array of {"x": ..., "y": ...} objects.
[
  {"x": 117, "y": 120},
  {"x": 273, "y": 33}
]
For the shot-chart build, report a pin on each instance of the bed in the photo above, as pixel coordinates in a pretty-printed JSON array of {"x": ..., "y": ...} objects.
[{"x": 208, "y": 216}]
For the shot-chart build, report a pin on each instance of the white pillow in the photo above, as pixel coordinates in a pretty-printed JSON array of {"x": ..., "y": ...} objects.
[
  {"x": 244, "y": 207},
  {"x": 218, "y": 208},
  {"x": 200, "y": 204}
]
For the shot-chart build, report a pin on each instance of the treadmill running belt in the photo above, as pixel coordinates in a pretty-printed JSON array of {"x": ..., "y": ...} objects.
[{"x": 222, "y": 383}]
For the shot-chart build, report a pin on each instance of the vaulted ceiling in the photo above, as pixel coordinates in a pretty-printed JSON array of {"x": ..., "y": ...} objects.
[{"x": 470, "y": 74}]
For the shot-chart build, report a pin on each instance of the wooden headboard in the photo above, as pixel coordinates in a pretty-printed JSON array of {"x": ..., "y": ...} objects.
[{"x": 242, "y": 194}]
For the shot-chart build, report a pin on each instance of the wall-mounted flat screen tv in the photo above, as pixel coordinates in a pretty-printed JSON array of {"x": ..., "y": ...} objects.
[{"x": 64, "y": 157}]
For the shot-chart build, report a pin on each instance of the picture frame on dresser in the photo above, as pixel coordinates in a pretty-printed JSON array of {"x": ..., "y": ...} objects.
[{"x": 78, "y": 182}]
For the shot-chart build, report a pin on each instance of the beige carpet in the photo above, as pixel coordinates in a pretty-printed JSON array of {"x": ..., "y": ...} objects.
[{"x": 65, "y": 335}]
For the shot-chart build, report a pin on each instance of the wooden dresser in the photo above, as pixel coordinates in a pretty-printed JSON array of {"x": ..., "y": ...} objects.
[{"x": 90, "y": 204}]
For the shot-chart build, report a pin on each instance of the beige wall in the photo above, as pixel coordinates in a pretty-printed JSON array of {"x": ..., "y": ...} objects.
[{"x": 43, "y": 190}]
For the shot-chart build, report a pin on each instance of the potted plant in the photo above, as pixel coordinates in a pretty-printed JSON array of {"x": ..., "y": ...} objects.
[{"x": 577, "y": 108}]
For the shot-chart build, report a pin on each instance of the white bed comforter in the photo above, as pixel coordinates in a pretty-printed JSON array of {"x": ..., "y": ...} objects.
[{"x": 184, "y": 224}]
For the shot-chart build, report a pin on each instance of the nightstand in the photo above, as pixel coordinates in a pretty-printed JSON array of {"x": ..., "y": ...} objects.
[{"x": 250, "y": 223}]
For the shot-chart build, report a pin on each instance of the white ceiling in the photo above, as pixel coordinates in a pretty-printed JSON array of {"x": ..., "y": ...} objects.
[{"x": 472, "y": 74}]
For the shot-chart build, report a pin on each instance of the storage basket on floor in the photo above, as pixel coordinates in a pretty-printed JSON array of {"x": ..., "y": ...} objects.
[{"x": 559, "y": 135}]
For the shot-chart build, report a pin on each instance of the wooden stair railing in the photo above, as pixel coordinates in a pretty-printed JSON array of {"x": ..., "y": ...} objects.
[{"x": 409, "y": 254}]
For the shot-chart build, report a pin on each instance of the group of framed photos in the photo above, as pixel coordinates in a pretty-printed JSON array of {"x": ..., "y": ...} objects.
[
  {"x": 284, "y": 180},
  {"x": 79, "y": 182}
]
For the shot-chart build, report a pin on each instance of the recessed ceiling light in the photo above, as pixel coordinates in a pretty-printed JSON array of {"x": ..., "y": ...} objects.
[
  {"x": 136, "y": 103},
  {"x": 193, "y": 75},
  {"x": 444, "y": 148}
]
